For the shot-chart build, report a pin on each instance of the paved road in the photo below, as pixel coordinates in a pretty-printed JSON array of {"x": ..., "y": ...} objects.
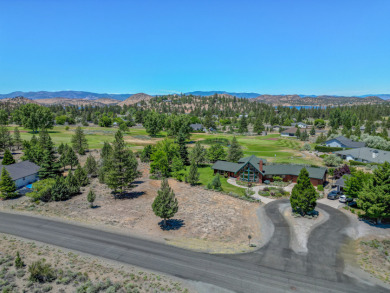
[{"x": 274, "y": 268}]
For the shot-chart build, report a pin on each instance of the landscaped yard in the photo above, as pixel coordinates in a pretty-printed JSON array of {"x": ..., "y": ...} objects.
[{"x": 207, "y": 175}]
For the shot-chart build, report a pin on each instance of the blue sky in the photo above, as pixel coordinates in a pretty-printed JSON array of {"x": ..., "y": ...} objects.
[{"x": 270, "y": 47}]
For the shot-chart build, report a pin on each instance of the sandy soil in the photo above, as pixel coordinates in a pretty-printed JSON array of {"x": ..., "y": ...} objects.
[
  {"x": 301, "y": 227},
  {"x": 206, "y": 221},
  {"x": 77, "y": 271}
]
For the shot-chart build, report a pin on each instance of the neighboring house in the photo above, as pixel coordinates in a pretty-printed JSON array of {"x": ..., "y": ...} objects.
[
  {"x": 276, "y": 128},
  {"x": 196, "y": 126},
  {"x": 301, "y": 125},
  {"x": 240, "y": 116},
  {"x": 22, "y": 173},
  {"x": 343, "y": 142},
  {"x": 263, "y": 133},
  {"x": 365, "y": 155},
  {"x": 289, "y": 132},
  {"x": 340, "y": 183},
  {"x": 254, "y": 169}
]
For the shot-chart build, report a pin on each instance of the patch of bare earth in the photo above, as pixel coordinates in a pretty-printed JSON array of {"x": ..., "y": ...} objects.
[
  {"x": 301, "y": 226},
  {"x": 75, "y": 273},
  {"x": 206, "y": 221}
]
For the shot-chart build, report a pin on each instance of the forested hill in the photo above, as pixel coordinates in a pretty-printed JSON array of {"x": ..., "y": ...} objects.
[{"x": 64, "y": 94}]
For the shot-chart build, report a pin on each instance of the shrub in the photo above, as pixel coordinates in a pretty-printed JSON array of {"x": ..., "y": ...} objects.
[
  {"x": 277, "y": 178},
  {"x": 326, "y": 149},
  {"x": 306, "y": 147},
  {"x": 266, "y": 189},
  {"x": 41, "y": 272},
  {"x": 67, "y": 128},
  {"x": 42, "y": 190},
  {"x": 320, "y": 188},
  {"x": 18, "y": 261}
]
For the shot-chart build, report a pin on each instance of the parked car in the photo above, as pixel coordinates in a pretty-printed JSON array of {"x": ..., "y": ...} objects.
[
  {"x": 334, "y": 194},
  {"x": 344, "y": 199}
]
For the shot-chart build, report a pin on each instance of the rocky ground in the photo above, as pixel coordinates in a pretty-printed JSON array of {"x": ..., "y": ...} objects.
[
  {"x": 207, "y": 221},
  {"x": 74, "y": 272}
]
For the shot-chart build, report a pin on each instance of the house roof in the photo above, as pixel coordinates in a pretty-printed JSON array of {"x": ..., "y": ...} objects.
[
  {"x": 21, "y": 169},
  {"x": 341, "y": 181},
  {"x": 347, "y": 142},
  {"x": 196, "y": 126},
  {"x": 367, "y": 154},
  {"x": 290, "y": 130},
  {"x": 290, "y": 169},
  {"x": 277, "y": 169}
]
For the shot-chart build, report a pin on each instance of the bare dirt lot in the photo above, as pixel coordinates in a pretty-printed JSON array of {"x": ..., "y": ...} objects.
[
  {"x": 207, "y": 221},
  {"x": 77, "y": 273}
]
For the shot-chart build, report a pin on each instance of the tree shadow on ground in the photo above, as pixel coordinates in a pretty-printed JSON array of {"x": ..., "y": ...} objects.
[
  {"x": 129, "y": 195},
  {"x": 172, "y": 224},
  {"x": 95, "y": 207},
  {"x": 138, "y": 182}
]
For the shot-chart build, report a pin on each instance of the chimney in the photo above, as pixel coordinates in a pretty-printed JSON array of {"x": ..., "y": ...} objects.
[{"x": 261, "y": 165}]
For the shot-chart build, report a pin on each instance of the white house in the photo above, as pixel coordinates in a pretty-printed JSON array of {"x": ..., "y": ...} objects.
[{"x": 22, "y": 173}]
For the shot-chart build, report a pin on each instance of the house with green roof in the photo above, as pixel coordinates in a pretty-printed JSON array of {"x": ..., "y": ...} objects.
[{"x": 257, "y": 170}]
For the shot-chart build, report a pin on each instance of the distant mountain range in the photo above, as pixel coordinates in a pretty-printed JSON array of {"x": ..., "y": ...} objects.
[
  {"x": 65, "y": 94},
  {"x": 122, "y": 97}
]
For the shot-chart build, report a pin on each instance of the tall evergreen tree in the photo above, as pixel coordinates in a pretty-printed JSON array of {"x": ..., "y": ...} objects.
[
  {"x": 123, "y": 166},
  {"x": 303, "y": 196},
  {"x": 81, "y": 176},
  {"x": 72, "y": 183},
  {"x": 243, "y": 125},
  {"x": 8, "y": 159},
  {"x": 165, "y": 204},
  {"x": 374, "y": 198},
  {"x": 183, "y": 152},
  {"x": 7, "y": 185},
  {"x": 5, "y": 138},
  {"x": 79, "y": 141},
  {"x": 234, "y": 152},
  {"x": 17, "y": 139},
  {"x": 258, "y": 127},
  {"x": 91, "y": 166},
  {"x": 198, "y": 154},
  {"x": 71, "y": 158},
  {"x": 193, "y": 174},
  {"x": 50, "y": 167}
]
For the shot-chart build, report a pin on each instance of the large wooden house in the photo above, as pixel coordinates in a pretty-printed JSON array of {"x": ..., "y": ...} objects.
[{"x": 257, "y": 170}]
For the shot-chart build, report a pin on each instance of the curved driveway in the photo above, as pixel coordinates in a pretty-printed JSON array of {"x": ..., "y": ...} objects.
[{"x": 273, "y": 268}]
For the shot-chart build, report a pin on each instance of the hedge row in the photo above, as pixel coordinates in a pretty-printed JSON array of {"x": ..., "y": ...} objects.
[
  {"x": 357, "y": 163},
  {"x": 326, "y": 149}
]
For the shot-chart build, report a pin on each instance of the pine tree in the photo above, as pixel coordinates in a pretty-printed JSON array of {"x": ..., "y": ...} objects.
[
  {"x": 73, "y": 183},
  {"x": 258, "y": 127},
  {"x": 7, "y": 185},
  {"x": 183, "y": 152},
  {"x": 303, "y": 196},
  {"x": 193, "y": 174},
  {"x": 79, "y": 142},
  {"x": 216, "y": 183},
  {"x": 5, "y": 138},
  {"x": 8, "y": 159},
  {"x": 91, "y": 166},
  {"x": 18, "y": 261},
  {"x": 61, "y": 148},
  {"x": 71, "y": 158},
  {"x": 374, "y": 198},
  {"x": 312, "y": 131},
  {"x": 60, "y": 190},
  {"x": 81, "y": 176},
  {"x": 198, "y": 153},
  {"x": 165, "y": 204},
  {"x": 106, "y": 151},
  {"x": 123, "y": 166},
  {"x": 50, "y": 167},
  {"x": 243, "y": 125},
  {"x": 216, "y": 152},
  {"x": 177, "y": 168},
  {"x": 234, "y": 152},
  {"x": 298, "y": 133},
  {"x": 17, "y": 139},
  {"x": 91, "y": 197}
]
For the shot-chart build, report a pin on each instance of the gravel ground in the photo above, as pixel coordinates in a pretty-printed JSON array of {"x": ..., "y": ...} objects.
[
  {"x": 301, "y": 227},
  {"x": 206, "y": 221}
]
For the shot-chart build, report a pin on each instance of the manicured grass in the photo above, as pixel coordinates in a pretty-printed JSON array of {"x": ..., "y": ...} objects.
[
  {"x": 270, "y": 147},
  {"x": 207, "y": 175}
]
